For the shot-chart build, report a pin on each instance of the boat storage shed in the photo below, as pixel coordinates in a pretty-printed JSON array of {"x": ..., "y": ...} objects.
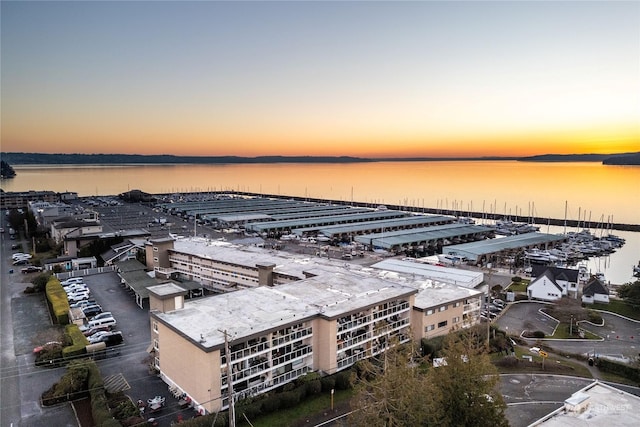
[{"x": 481, "y": 251}]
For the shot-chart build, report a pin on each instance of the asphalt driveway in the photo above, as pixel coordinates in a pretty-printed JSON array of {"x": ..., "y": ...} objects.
[{"x": 525, "y": 316}]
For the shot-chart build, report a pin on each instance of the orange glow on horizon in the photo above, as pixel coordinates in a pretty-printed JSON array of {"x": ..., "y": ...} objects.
[{"x": 347, "y": 142}]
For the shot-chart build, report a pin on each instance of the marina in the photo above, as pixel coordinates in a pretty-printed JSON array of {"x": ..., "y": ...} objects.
[{"x": 415, "y": 188}]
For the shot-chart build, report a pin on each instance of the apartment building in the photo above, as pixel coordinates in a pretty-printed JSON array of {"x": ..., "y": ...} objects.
[
  {"x": 284, "y": 315},
  {"x": 273, "y": 334}
]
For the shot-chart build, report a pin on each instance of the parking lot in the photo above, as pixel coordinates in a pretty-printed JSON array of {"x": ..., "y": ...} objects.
[
  {"x": 525, "y": 316},
  {"x": 129, "y": 367},
  {"x": 126, "y": 366}
]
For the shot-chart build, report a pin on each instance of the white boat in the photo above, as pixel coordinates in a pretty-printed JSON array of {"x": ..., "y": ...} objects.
[{"x": 536, "y": 255}]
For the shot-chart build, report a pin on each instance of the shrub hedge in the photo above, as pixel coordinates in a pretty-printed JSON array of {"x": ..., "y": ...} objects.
[
  {"x": 626, "y": 371},
  {"x": 71, "y": 386},
  {"x": 78, "y": 340},
  {"x": 290, "y": 395},
  {"x": 57, "y": 297}
]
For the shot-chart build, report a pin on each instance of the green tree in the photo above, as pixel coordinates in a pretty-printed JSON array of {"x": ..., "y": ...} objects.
[
  {"x": 391, "y": 391},
  {"x": 394, "y": 390},
  {"x": 466, "y": 387},
  {"x": 630, "y": 292}
]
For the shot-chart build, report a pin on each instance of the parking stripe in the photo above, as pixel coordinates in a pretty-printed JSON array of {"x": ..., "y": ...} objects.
[{"x": 116, "y": 383}]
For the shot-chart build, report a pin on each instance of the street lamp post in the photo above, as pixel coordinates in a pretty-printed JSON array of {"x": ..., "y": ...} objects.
[{"x": 571, "y": 327}]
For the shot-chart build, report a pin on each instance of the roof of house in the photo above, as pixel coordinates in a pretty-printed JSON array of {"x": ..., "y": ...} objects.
[
  {"x": 595, "y": 286},
  {"x": 569, "y": 274},
  {"x": 546, "y": 277}
]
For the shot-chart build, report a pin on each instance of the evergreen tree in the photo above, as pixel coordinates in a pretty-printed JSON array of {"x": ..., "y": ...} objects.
[
  {"x": 395, "y": 391},
  {"x": 6, "y": 171}
]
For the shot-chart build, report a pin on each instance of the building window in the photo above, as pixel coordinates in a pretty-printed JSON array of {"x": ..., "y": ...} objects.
[
  {"x": 429, "y": 312},
  {"x": 155, "y": 249},
  {"x": 442, "y": 324},
  {"x": 155, "y": 259},
  {"x": 457, "y": 304},
  {"x": 443, "y": 308},
  {"x": 156, "y": 345},
  {"x": 156, "y": 361},
  {"x": 456, "y": 319},
  {"x": 430, "y": 328},
  {"x": 155, "y": 326}
]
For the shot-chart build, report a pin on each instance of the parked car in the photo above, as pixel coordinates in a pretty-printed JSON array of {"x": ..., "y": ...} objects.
[
  {"x": 72, "y": 280},
  {"x": 49, "y": 345},
  {"x": 20, "y": 255},
  {"x": 71, "y": 289},
  {"x": 82, "y": 304},
  {"x": 103, "y": 315},
  {"x": 15, "y": 246},
  {"x": 498, "y": 302},
  {"x": 95, "y": 338},
  {"x": 104, "y": 321},
  {"x": 91, "y": 331},
  {"x": 21, "y": 261},
  {"x": 31, "y": 269},
  {"x": 77, "y": 297},
  {"x": 92, "y": 310},
  {"x": 111, "y": 338}
]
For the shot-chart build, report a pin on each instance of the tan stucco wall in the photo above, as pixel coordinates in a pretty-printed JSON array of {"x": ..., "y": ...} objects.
[
  {"x": 420, "y": 321},
  {"x": 197, "y": 372},
  {"x": 324, "y": 345}
]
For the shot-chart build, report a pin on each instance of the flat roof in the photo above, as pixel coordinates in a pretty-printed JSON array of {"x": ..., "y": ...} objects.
[
  {"x": 166, "y": 289},
  {"x": 465, "y": 278},
  {"x": 474, "y": 250},
  {"x": 256, "y": 311},
  {"x": 599, "y": 405}
]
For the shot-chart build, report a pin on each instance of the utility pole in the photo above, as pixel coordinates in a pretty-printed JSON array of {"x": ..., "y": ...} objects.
[
  {"x": 232, "y": 412},
  {"x": 488, "y": 302}
]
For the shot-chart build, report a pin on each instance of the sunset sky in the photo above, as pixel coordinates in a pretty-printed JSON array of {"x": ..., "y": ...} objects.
[{"x": 369, "y": 79}]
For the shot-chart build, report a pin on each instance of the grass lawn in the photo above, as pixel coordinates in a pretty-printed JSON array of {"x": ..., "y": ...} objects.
[
  {"x": 518, "y": 287},
  {"x": 562, "y": 332},
  {"x": 619, "y": 307},
  {"x": 307, "y": 409},
  {"x": 552, "y": 365}
]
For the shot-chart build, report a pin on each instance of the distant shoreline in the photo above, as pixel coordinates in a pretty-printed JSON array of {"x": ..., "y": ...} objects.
[{"x": 60, "y": 159}]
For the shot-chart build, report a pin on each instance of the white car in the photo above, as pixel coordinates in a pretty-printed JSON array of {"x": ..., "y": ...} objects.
[
  {"x": 95, "y": 338},
  {"x": 20, "y": 255},
  {"x": 76, "y": 288},
  {"x": 71, "y": 281},
  {"x": 77, "y": 297},
  {"x": 82, "y": 304},
  {"x": 103, "y": 315}
]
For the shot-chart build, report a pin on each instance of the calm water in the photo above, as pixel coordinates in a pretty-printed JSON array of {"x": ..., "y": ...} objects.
[{"x": 588, "y": 191}]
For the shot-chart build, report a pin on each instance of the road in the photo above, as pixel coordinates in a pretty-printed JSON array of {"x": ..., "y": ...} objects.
[
  {"x": 9, "y": 380},
  {"x": 620, "y": 336}
]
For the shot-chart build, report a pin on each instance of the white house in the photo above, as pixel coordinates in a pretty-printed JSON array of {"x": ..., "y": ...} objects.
[
  {"x": 595, "y": 291},
  {"x": 567, "y": 278},
  {"x": 545, "y": 288}
]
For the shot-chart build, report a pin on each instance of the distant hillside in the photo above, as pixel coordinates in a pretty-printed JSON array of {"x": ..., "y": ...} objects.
[
  {"x": 623, "y": 159},
  {"x": 566, "y": 158},
  {"x": 606, "y": 159},
  {"x": 80, "y": 159},
  {"x": 111, "y": 159}
]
